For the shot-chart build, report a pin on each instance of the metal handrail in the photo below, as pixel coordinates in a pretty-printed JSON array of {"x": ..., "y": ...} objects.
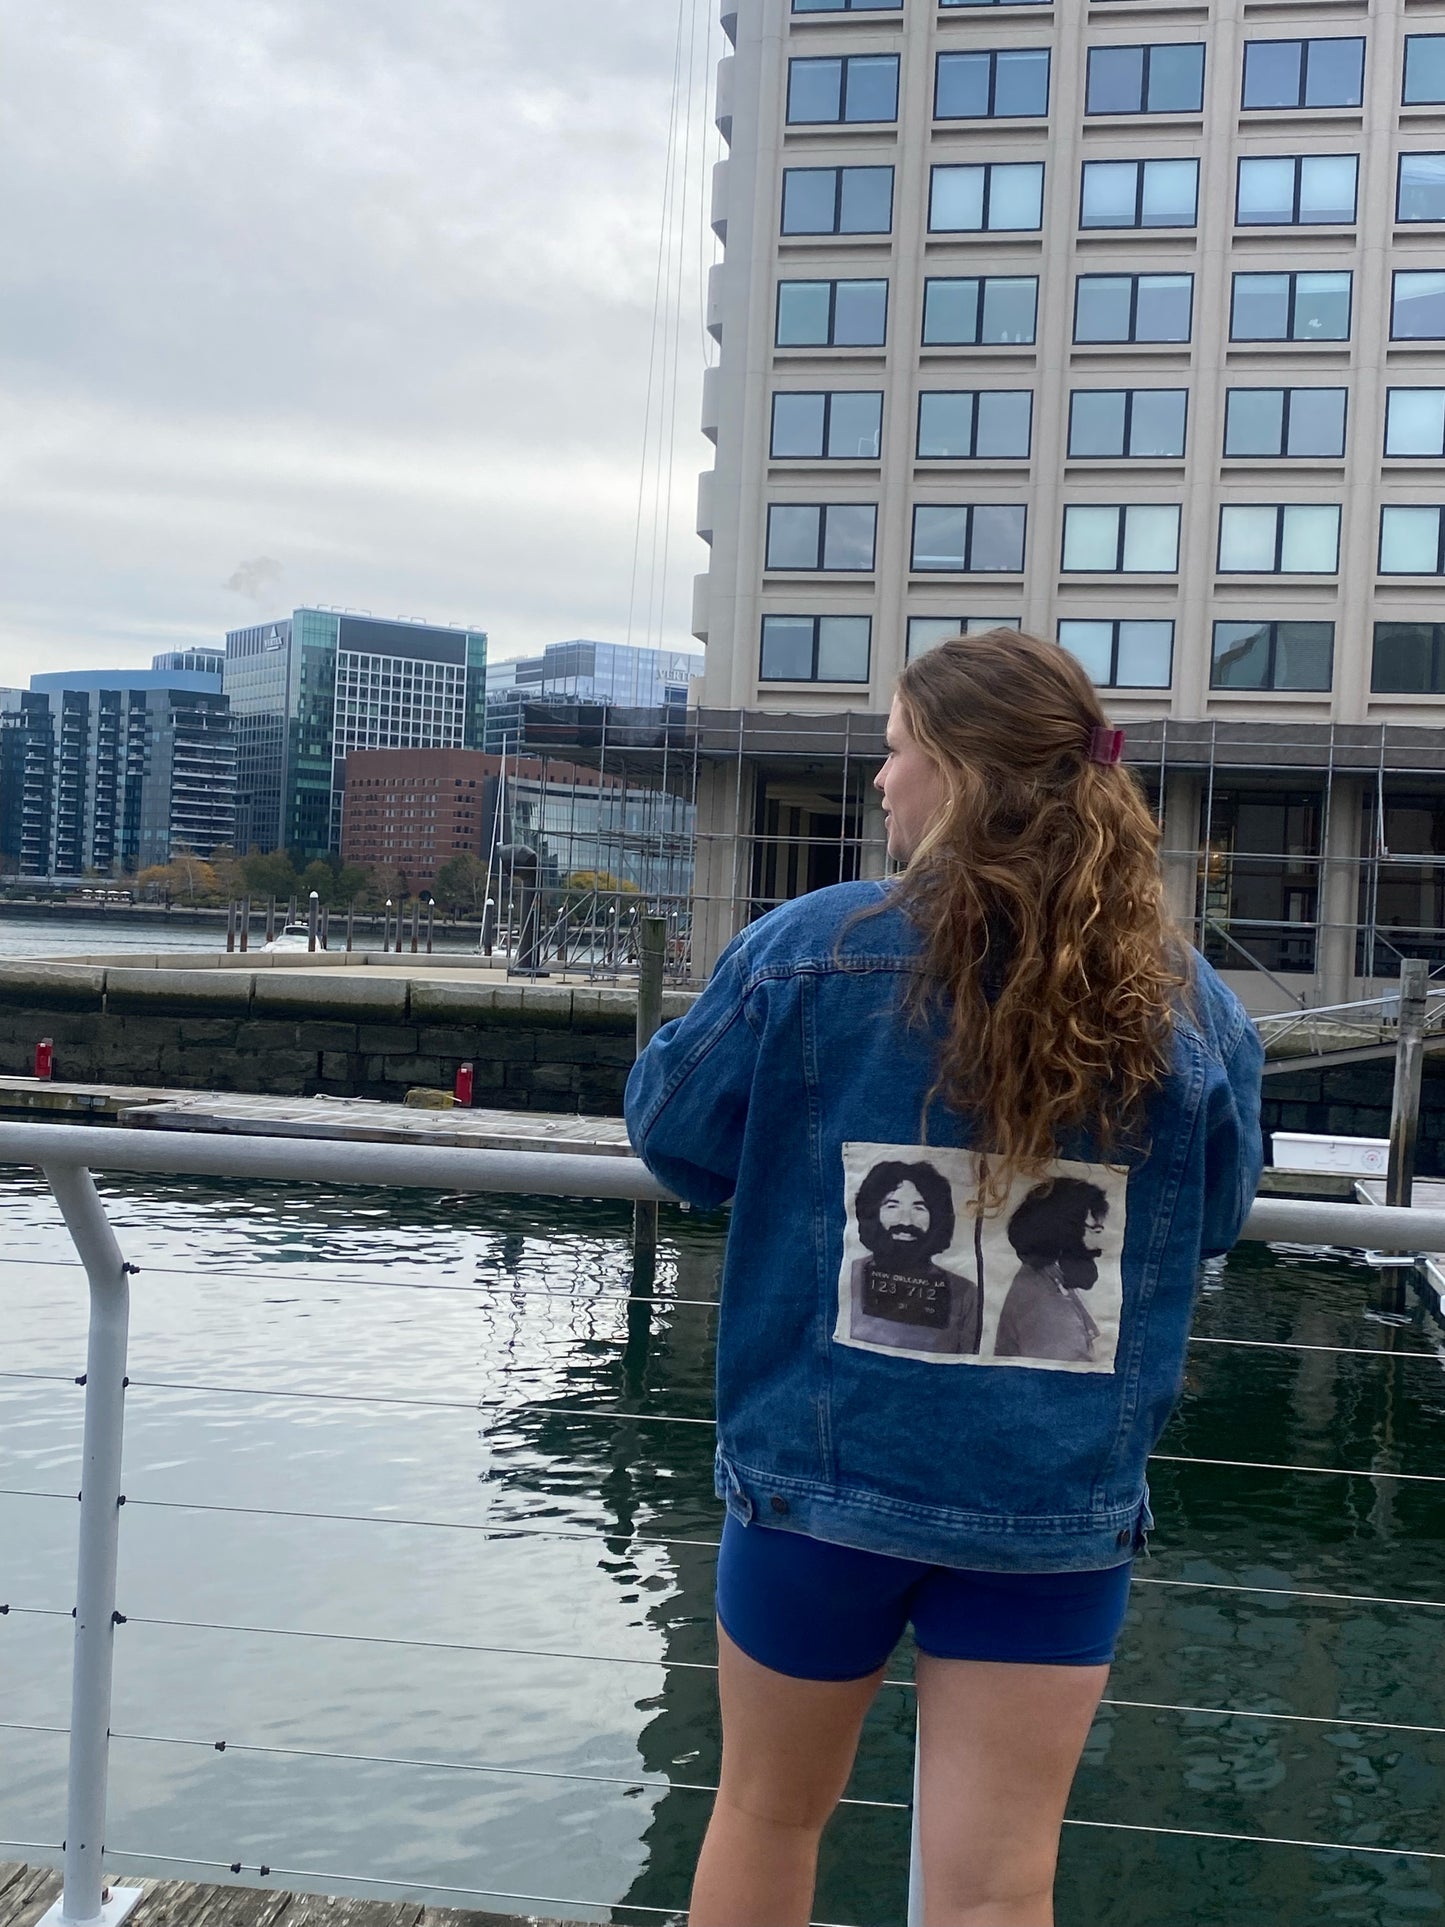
[{"x": 67, "y": 1157}]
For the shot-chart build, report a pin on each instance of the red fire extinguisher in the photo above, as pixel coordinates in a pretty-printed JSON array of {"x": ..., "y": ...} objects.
[
  {"x": 463, "y": 1091},
  {"x": 45, "y": 1057}
]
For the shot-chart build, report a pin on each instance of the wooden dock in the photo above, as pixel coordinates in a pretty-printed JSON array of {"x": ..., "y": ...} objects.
[
  {"x": 26, "y": 1893},
  {"x": 360, "y": 1120}
]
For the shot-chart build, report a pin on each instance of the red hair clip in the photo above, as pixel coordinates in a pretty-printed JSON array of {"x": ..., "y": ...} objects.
[{"x": 1106, "y": 745}]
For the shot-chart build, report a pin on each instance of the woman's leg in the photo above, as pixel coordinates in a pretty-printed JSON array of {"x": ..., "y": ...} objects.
[
  {"x": 999, "y": 1746},
  {"x": 788, "y": 1747}
]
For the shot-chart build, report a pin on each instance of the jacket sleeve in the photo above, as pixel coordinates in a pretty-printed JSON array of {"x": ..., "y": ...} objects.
[
  {"x": 1234, "y": 1145},
  {"x": 687, "y": 1096}
]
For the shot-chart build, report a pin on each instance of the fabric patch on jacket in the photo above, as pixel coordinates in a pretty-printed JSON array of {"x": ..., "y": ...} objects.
[{"x": 1038, "y": 1282}]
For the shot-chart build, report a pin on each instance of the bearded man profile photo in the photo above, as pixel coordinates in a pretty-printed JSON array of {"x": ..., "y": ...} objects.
[{"x": 899, "y": 1296}]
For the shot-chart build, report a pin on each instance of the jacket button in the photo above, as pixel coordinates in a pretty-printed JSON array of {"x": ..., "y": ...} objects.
[
  {"x": 778, "y": 1503},
  {"x": 1125, "y": 1536}
]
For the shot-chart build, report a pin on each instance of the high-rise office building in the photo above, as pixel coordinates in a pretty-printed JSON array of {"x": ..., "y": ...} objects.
[
  {"x": 1125, "y": 322},
  {"x": 626, "y": 674},
  {"x": 306, "y": 689},
  {"x": 115, "y": 770}
]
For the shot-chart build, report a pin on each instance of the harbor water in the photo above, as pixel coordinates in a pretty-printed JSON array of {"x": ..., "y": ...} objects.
[
  {"x": 29, "y": 936},
  {"x": 420, "y": 1526}
]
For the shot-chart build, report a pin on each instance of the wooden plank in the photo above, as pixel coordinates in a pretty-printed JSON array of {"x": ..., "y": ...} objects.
[
  {"x": 26, "y": 1892},
  {"x": 26, "y": 1899},
  {"x": 319, "y": 1910},
  {"x": 183, "y": 1903},
  {"x": 361, "y": 1120},
  {"x": 447, "y": 1917}
]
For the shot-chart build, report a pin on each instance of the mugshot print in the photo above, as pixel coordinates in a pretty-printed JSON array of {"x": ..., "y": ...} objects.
[
  {"x": 899, "y": 1293},
  {"x": 1036, "y": 1283}
]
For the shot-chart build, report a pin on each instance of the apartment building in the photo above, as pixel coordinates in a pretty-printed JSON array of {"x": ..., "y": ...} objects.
[
  {"x": 1123, "y": 321},
  {"x": 115, "y": 770}
]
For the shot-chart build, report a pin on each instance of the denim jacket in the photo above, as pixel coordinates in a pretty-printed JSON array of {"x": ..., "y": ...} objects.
[{"x": 894, "y": 1373}]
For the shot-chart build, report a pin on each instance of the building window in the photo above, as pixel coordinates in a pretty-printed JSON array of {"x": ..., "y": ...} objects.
[
  {"x": 1420, "y": 189},
  {"x": 969, "y": 538},
  {"x": 832, "y": 314},
  {"x": 815, "y": 648},
  {"x": 847, "y": 6},
  {"x": 1122, "y": 539},
  {"x": 1409, "y": 659},
  {"x": 1285, "y": 421},
  {"x": 1139, "y": 194},
  {"x": 858, "y": 87},
  {"x": 1415, "y": 421},
  {"x": 1139, "y": 422},
  {"x": 1005, "y": 85},
  {"x": 992, "y": 197},
  {"x": 1259, "y": 882},
  {"x": 1292, "y": 307},
  {"x": 1410, "y": 541},
  {"x": 969, "y": 425},
  {"x": 1296, "y": 190},
  {"x": 821, "y": 535},
  {"x": 1122, "y": 655},
  {"x": 1133, "y": 307},
  {"x": 1417, "y": 305},
  {"x": 995, "y": 3},
  {"x": 1279, "y": 538},
  {"x": 1272, "y": 655},
  {"x": 980, "y": 311},
  {"x": 926, "y": 632},
  {"x": 1145, "y": 80},
  {"x": 839, "y": 426},
  {"x": 1303, "y": 73},
  {"x": 1424, "y": 70},
  {"x": 837, "y": 200}
]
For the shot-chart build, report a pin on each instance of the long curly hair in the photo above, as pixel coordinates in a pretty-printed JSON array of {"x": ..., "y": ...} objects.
[{"x": 1049, "y": 955}]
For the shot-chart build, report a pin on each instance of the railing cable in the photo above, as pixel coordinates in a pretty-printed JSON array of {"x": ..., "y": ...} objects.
[{"x": 690, "y": 1666}]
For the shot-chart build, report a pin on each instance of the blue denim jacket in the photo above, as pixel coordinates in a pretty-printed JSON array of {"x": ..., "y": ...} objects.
[{"x": 894, "y": 1374}]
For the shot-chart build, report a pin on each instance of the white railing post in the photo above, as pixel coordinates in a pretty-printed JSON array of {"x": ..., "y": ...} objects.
[
  {"x": 84, "y": 1899},
  {"x": 915, "y": 1845}
]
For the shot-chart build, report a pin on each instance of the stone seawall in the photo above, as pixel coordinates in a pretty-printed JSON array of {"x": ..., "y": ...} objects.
[
  {"x": 353, "y": 1033},
  {"x": 1353, "y": 1100},
  {"x": 302, "y": 1028}
]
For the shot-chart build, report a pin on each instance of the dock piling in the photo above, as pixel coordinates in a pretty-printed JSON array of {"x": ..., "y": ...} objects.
[
  {"x": 651, "y": 951},
  {"x": 1409, "y": 1065},
  {"x": 245, "y": 932},
  {"x": 313, "y": 914}
]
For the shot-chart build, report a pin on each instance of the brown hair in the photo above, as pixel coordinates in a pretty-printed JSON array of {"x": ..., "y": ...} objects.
[{"x": 1047, "y": 946}]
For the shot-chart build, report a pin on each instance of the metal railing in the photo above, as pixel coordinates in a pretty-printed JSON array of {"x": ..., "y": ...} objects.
[
  {"x": 68, "y": 1157},
  {"x": 1337, "y": 1026}
]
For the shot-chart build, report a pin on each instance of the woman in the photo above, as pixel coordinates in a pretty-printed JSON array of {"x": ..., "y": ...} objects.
[{"x": 1013, "y": 1011}]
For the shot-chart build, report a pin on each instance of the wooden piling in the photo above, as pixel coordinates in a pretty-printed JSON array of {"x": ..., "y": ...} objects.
[
  {"x": 1409, "y": 1065},
  {"x": 651, "y": 954}
]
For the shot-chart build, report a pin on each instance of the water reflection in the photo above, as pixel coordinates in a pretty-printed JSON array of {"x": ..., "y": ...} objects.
[{"x": 471, "y": 1357}]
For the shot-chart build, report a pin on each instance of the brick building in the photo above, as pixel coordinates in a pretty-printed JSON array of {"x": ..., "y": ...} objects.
[{"x": 412, "y": 810}]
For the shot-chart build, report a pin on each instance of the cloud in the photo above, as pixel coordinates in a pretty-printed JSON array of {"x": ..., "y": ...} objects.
[
  {"x": 254, "y": 579},
  {"x": 365, "y": 287}
]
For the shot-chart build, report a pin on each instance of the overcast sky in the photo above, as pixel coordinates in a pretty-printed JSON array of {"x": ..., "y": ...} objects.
[{"x": 337, "y": 301}]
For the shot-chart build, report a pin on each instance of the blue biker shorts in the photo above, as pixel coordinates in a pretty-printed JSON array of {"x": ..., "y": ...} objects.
[{"x": 814, "y": 1610}]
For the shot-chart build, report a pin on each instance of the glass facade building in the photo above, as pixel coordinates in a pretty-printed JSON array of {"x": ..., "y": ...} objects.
[
  {"x": 312, "y": 686},
  {"x": 625, "y": 674}
]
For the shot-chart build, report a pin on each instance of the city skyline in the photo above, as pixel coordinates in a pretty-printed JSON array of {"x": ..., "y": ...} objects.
[{"x": 337, "y": 306}]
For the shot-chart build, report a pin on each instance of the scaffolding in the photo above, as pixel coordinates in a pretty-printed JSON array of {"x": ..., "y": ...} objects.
[{"x": 1308, "y": 858}]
